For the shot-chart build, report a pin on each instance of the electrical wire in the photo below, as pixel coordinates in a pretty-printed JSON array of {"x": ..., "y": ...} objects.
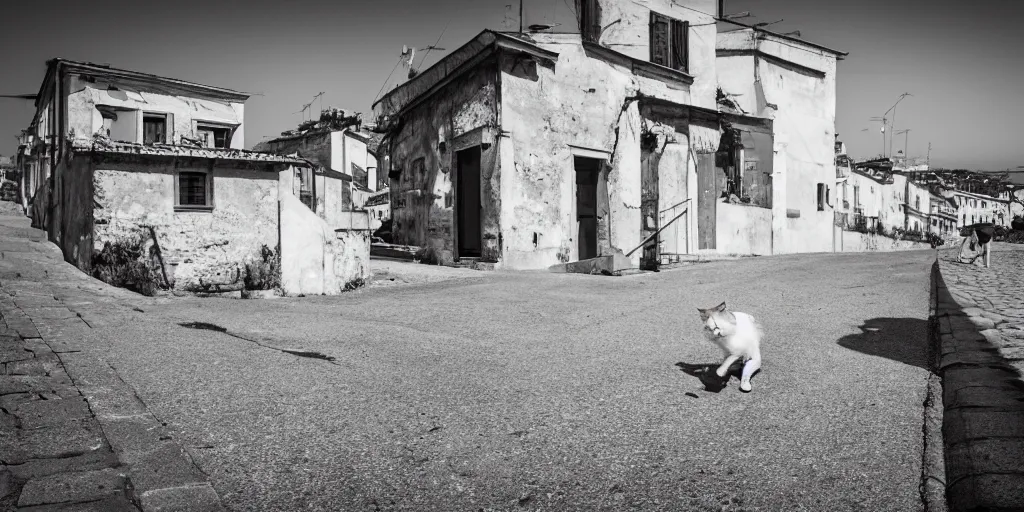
[
  {"x": 424, "y": 59},
  {"x": 375, "y": 98}
]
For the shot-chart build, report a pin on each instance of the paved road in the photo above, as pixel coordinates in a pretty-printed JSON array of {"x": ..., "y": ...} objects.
[{"x": 547, "y": 391}]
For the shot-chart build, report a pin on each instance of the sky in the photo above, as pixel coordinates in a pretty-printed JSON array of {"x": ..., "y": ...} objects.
[{"x": 962, "y": 67}]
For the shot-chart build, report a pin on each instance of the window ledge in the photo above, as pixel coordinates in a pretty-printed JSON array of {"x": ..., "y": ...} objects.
[{"x": 192, "y": 208}]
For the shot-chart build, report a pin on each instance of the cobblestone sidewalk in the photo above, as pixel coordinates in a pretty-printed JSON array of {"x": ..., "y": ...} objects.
[
  {"x": 73, "y": 435},
  {"x": 980, "y": 323}
]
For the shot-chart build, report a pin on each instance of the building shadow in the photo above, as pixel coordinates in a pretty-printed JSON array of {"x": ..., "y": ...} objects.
[
  {"x": 899, "y": 339},
  {"x": 705, "y": 372}
]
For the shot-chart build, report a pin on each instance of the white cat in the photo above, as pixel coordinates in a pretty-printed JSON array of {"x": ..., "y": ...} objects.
[{"x": 738, "y": 335}]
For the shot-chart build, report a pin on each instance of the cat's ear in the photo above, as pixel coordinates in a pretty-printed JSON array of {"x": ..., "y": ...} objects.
[{"x": 720, "y": 307}]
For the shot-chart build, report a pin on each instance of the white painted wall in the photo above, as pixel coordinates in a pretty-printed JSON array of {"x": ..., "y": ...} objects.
[
  {"x": 627, "y": 30},
  {"x": 804, "y": 124}
]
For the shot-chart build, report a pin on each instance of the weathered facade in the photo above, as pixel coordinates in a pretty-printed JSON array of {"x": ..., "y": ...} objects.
[
  {"x": 793, "y": 82},
  {"x": 138, "y": 156},
  {"x": 532, "y": 150}
]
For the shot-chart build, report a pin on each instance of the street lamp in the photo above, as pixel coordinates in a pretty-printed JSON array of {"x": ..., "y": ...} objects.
[{"x": 891, "y": 109}]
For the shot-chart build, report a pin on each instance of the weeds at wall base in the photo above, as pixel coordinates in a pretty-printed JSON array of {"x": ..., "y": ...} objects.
[{"x": 125, "y": 263}]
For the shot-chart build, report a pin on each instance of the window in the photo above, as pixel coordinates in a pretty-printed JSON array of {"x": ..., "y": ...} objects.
[
  {"x": 154, "y": 128},
  {"x": 195, "y": 190},
  {"x": 670, "y": 42},
  {"x": 917, "y": 203},
  {"x": 983, "y": 204},
  {"x": 590, "y": 20},
  {"x": 304, "y": 177},
  {"x": 822, "y": 196},
  {"x": 108, "y": 120},
  {"x": 213, "y": 135}
]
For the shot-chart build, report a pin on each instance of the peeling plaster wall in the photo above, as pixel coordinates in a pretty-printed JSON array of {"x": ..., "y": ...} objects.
[
  {"x": 671, "y": 153},
  {"x": 85, "y": 120},
  {"x": 743, "y": 229},
  {"x": 199, "y": 248},
  {"x": 627, "y": 30},
  {"x": 422, "y": 199},
  {"x": 582, "y": 101}
]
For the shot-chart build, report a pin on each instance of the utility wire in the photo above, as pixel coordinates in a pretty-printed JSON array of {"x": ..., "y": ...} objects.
[
  {"x": 375, "y": 98},
  {"x": 424, "y": 59}
]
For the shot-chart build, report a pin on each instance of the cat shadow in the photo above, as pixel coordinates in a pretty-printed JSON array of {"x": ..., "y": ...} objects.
[
  {"x": 899, "y": 339},
  {"x": 707, "y": 376}
]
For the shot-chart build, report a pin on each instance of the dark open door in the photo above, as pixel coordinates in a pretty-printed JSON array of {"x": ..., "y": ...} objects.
[
  {"x": 707, "y": 197},
  {"x": 467, "y": 203},
  {"x": 586, "y": 205}
]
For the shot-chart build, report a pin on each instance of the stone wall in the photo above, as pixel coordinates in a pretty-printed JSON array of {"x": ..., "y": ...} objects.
[
  {"x": 200, "y": 249},
  {"x": 423, "y": 149},
  {"x": 853, "y": 241}
]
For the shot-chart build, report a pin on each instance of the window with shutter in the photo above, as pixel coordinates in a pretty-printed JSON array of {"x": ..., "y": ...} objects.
[
  {"x": 670, "y": 42},
  {"x": 659, "y": 39}
]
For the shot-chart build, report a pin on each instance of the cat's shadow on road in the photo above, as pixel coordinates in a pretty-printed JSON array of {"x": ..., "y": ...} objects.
[{"x": 706, "y": 374}]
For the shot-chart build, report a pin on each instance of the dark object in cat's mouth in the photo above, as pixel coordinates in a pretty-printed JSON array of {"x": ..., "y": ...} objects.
[{"x": 692, "y": 394}]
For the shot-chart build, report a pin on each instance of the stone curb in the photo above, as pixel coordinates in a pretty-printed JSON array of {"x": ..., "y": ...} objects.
[
  {"x": 983, "y": 402},
  {"x": 933, "y": 466}
]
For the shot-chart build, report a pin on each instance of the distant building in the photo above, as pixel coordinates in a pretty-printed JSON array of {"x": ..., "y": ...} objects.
[{"x": 337, "y": 143}]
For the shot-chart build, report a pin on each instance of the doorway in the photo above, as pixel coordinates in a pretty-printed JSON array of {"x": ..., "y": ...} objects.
[
  {"x": 587, "y": 171},
  {"x": 467, "y": 203}
]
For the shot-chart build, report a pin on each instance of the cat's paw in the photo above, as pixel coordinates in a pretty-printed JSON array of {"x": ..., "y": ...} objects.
[
  {"x": 721, "y": 373},
  {"x": 745, "y": 387}
]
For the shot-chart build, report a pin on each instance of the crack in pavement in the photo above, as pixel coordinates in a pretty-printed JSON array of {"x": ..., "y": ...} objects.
[{"x": 295, "y": 352}]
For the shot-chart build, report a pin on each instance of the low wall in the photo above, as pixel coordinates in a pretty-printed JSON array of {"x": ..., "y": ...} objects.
[
  {"x": 200, "y": 250},
  {"x": 743, "y": 229},
  {"x": 854, "y": 241},
  {"x": 315, "y": 258}
]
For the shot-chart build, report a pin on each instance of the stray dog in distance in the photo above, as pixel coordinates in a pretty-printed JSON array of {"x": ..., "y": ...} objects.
[{"x": 739, "y": 336}]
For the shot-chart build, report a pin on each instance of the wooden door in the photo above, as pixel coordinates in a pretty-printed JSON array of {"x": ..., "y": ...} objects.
[{"x": 707, "y": 198}]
